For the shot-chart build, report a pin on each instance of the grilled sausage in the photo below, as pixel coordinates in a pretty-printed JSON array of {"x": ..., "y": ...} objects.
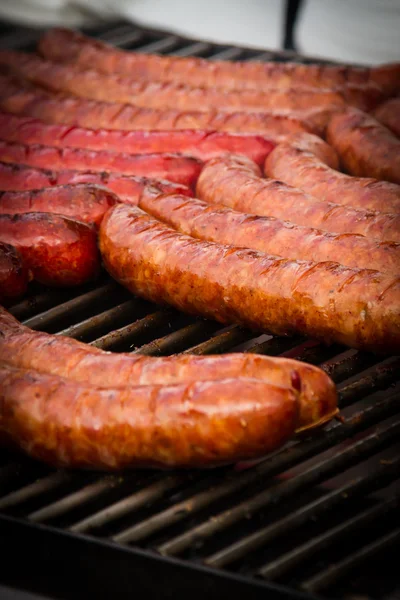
[
  {"x": 113, "y": 87},
  {"x": 67, "y": 46},
  {"x": 14, "y": 276},
  {"x": 388, "y": 113},
  {"x": 58, "y": 355},
  {"x": 235, "y": 182},
  {"x": 201, "y": 424},
  {"x": 127, "y": 188},
  {"x": 366, "y": 148},
  {"x": 273, "y": 236},
  {"x": 360, "y": 308},
  {"x": 86, "y": 203},
  {"x": 201, "y": 144},
  {"x": 295, "y": 163},
  {"x": 27, "y": 100},
  {"x": 59, "y": 251},
  {"x": 171, "y": 167}
]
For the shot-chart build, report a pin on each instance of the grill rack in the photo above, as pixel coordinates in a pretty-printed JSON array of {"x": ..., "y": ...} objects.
[{"x": 252, "y": 528}]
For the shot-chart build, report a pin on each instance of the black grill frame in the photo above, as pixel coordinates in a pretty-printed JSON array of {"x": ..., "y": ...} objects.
[{"x": 39, "y": 539}]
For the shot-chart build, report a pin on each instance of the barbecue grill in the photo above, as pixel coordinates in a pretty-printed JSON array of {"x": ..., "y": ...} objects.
[{"x": 318, "y": 518}]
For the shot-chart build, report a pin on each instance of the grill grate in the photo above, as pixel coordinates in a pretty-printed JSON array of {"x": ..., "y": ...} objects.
[{"x": 308, "y": 519}]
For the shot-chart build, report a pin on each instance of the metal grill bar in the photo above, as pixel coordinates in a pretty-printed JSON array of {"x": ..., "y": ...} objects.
[
  {"x": 340, "y": 569},
  {"x": 288, "y": 561},
  {"x": 119, "y": 509},
  {"x": 317, "y": 473},
  {"x": 179, "y": 340},
  {"x": 266, "y": 535},
  {"x": 283, "y": 461},
  {"x": 129, "y": 333},
  {"x": 45, "y": 484},
  {"x": 222, "y": 342},
  {"x": 103, "y": 321},
  {"x": 74, "y": 306},
  {"x": 73, "y": 500}
]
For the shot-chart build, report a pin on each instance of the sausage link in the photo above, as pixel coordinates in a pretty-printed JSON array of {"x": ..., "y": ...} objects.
[
  {"x": 86, "y": 203},
  {"x": 68, "y": 46},
  {"x": 200, "y": 144},
  {"x": 128, "y": 188},
  {"x": 273, "y": 236},
  {"x": 388, "y": 113},
  {"x": 201, "y": 424},
  {"x": 366, "y": 148},
  {"x": 58, "y": 250},
  {"x": 27, "y": 100},
  {"x": 171, "y": 167},
  {"x": 295, "y": 163},
  {"x": 236, "y": 183},
  {"x": 58, "y": 355},
  {"x": 360, "y": 308},
  {"x": 14, "y": 276},
  {"x": 113, "y": 87}
]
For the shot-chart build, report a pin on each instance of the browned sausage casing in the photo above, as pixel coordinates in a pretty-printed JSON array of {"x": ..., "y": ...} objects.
[
  {"x": 297, "y": 163},
  {"x": 14, "y": 276},
  {"x": 86, "y": 203},
  {"x": 236, "y": 182},
  {"x": 388, "y": 113},
  {"x": 171, "y": 167},
  {"x": 68, "y": 46},
  {"x": 360, "y": 308},
  {"x": 58, "y": 355},
  {"x": 366, "y": 148},
  {"x": 24, "y": 99},
  {"x": 93, "y": 84},
  {"x": 199, "y": 424},
  {"x": 201, "y": 144},
  {"x": 223, "y": 225},
  {"x": 14, "y": 177},
  {"x": 59, "y": 251}
]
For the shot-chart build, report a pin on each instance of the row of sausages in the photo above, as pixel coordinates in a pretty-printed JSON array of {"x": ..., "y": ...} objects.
[{"x": 307, "y": 250}]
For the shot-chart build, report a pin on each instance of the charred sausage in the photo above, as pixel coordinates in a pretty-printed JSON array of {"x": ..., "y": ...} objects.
[
  {"x": 201, "y": 144},
  {"x": 14, "y": 276},
  {"x": 68, "y": 46},
  {"x": 236, "y": 182},
  {"x": 360, "y": 308},
  {"x": 127, "y": 188},
  {"x": 366, "y": 148},
  {"x": 84, "y": 202},
  {"x": 200, "y": 424},
  {"x": 58, "y": 355},
  {"x": 59, "y": 251},
  {"x": 297, "y": 164},
  {"x": 273, "y": 236}
]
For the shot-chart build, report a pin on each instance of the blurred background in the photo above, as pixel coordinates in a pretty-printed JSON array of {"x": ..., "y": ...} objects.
[{"x": 353, "y": 31}]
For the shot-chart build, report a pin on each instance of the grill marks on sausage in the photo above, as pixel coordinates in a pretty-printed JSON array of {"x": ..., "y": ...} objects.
[
  {"x": 219, "y": 224},
  {"x": 67, "y": 46},
  {"x": 14, "y": 177},
  {"x": 236, "y": 182},
  {"x": 58, "y": 355},
  {"x": 297, "y": 162},
  {"x": 200, "y": 144},
  {"x": 324, "y": 300},
  {"x": 366, "y": 148},
  {"x": 69, "y": 110}
]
